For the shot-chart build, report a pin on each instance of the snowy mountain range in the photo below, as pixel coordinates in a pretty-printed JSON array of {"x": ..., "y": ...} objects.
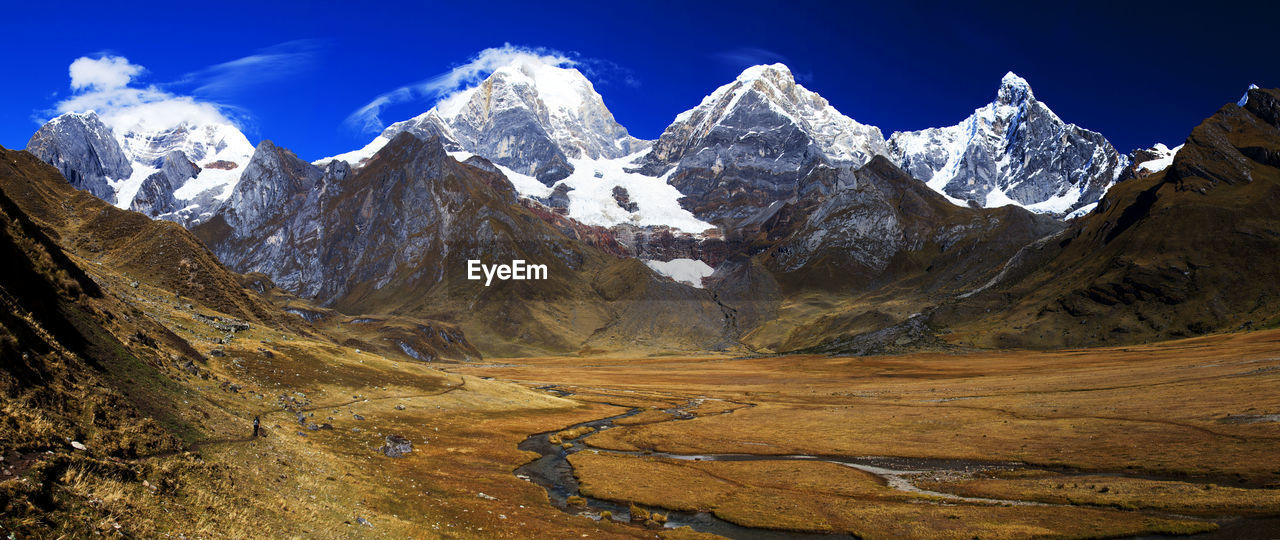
[
  {"x": 727, "y": 163},
  {"x": 180, "y": 173}
]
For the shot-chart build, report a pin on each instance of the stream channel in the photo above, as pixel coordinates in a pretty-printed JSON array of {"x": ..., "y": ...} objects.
[{"x": 553, "y": 472}]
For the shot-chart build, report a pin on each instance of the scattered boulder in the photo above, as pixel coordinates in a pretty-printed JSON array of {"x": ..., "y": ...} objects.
[
  {"x": 78, "y": 445},
  {"x": 396, "y": 446},
  {"x": 623, "y": 198}
]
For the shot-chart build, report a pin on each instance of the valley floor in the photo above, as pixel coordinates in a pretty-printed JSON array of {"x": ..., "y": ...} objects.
[{"x": 1179, "y": 437}]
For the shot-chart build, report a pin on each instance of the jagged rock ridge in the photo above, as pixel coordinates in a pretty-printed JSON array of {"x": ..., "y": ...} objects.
[
  {"x": 179, "y": 173},
  {"x": 751, "y": 141},
  {"x": 1014, "y": 150},
  {"x": 530, "y": 118}
]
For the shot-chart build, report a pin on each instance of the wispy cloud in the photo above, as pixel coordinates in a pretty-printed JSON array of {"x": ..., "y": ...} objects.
[
  {"x": 266, "y": 65},
  {"x": 453, "y": 84},
  {"x": 749, "y": 56},
  {"x": 744, "y": 57},
  {"x": 109, "y": 85}
]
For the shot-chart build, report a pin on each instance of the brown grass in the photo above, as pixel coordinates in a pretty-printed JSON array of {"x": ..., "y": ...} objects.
[
  {"x": 1119, "y": 492},
  {"x": 829, "y": 498},
  {"x": 1161, "y": 410}
]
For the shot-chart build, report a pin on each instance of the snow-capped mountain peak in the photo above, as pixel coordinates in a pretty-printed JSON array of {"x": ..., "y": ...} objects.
[
  {"x": 751, "y": 141},
  {"x": 84, "y": 149},
  {"x": 1245, "y": 98},
  {"x": 839, "y": 137},
  {"x": 775, "y": 72},
  {"x": 559, "y": 89},
  {"x": 1014, "y": 89},
  {"x": 211, "y": 155},
  {"x": 530, "y": 117},
  {"x": 1155, "y": 159},
  {"x": 1014, "y": 150}
]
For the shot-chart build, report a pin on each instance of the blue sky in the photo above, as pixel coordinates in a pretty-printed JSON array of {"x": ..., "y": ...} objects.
[{"x": 295, "y": 72}]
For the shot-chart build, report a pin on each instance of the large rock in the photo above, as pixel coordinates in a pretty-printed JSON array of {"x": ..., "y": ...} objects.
[
  {"x": 273, "y": 180},
  {"x": 396, "y": 446},
  {"x": 879, "y": 225}
]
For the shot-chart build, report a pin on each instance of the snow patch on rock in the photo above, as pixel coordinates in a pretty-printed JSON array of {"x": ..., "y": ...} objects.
[{"x": 688, "y": 271}]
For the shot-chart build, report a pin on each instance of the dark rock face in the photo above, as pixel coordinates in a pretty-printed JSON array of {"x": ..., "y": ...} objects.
[
  {"x": 323, "y": 235},
  {"x": 84, "y": 151},
  {"x": 274, "y": 179},
  {"x": 513, "y": 137},
  {"x": 156, "y": 193},
  {"x": 752, "y": 142},
  {"x": 1177, "y": 253},
  {"x": 879, "y": 225},
  {"x": 623, "y": 198},
  {"x": 395, "y": 236},
  {"x": 559, "y": 199},
  {"x": 1015, "y": 146}
]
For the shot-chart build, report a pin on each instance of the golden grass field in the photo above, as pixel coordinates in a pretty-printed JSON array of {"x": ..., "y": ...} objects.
[{"x": 1165, "y": 438}]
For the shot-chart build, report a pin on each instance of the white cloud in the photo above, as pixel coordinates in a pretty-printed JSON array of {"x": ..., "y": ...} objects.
[
  {"x": 106, "y": 86},
  {"x": 455, "y": 81},
  {"x": 102, "y": 73},
  {"x": 749, "y": 56},
  {"x": 279, "y": 61}
]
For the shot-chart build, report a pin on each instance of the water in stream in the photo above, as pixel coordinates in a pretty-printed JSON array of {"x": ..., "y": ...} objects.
[{"x": 553, "y": 472}]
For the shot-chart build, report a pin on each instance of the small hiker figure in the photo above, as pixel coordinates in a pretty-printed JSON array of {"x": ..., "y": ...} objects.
[{"x": 255, "y": 426}]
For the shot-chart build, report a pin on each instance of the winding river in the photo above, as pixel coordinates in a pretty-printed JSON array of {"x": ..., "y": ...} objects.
[{"x": 554, "y": 473}]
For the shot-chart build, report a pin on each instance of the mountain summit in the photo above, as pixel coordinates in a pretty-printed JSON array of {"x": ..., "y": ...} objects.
[
  {"x": 529, "y": 117},
  {"x": 751, "y": 141},
  {"x": 1014, "y": 150},
  {"x": 176, "y": 172}
]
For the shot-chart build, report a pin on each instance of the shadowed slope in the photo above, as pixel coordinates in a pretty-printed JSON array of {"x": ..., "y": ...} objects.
[{"x": 1190, "y": 250}]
